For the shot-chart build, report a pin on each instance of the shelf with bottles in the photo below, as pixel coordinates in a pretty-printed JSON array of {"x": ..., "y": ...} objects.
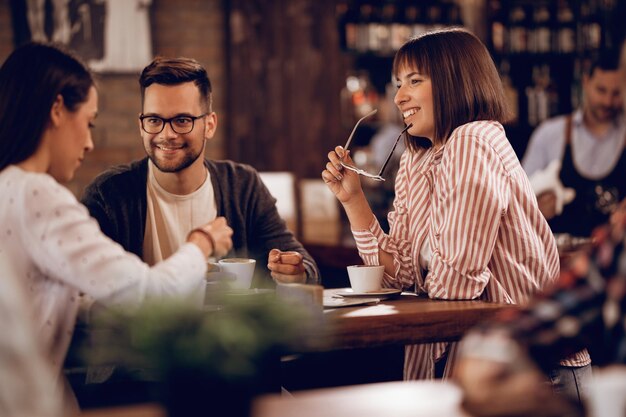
[
  {"x": 549, "y": 27},
  {"x": 381, "y": 27},
  {"x": 542, "y": 48}
]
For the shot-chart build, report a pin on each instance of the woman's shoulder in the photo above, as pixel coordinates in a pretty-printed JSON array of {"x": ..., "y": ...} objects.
[
  {"x": 32, "y": 185},
  {"x": 486, "y": 137},
  {"x": 480, "y": 129}
]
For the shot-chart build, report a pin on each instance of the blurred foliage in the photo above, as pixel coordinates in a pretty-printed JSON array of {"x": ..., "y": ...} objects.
[{"x": 229, "y": 341}]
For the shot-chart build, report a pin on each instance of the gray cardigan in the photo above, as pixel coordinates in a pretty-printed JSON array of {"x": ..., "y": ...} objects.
[{"x": 117, "y": 200}]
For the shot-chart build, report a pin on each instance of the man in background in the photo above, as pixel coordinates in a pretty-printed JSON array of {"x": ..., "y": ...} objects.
[
  {"x": 576, "y": 162},
  {"x": 150, "y": 206}
]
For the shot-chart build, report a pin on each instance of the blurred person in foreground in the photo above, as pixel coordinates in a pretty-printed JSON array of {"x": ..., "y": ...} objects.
[
  {"x": 465, "y": 223},
  {"x": 50, "y": 245},
  {"x": 26, "y": 380},
  {"x": 150, "y": 205},
  {"x": 576, "y": 162},
  {"x": 504, "y": 365}
]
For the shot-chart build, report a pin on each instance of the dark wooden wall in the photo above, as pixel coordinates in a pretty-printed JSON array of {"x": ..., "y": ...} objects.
[{"x": 285, "y": 73}]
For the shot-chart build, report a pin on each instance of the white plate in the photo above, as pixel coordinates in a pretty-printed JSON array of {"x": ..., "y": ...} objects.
[
  {"x": 334, "y": 302},
  {"x": 385, "y": 292}
]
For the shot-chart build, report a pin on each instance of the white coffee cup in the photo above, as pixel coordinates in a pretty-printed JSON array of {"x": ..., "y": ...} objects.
[
  {"x": 242, "y": 268},
  {"x": 366, "y": 278}
]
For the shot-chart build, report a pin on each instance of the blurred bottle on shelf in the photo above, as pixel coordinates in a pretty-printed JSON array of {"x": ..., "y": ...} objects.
[
  {"x": 374, "y": 27},
  {"x": 363, "y": 28},
  {"x": 539, "y": 34},
  {"x": 543, "y": 99},
  {"x": 347, "y": 18},
  {"x": 454, "y": 15},
  {"x": 415, "y": 20},
  {"x": 510, "y": 92},
  {"x": 400, "y": 29},
  {"x": 590, "y": 29},
  {"x": 518, "y": 35},
  {"x": 499, "y": 28},
  {"x": 358, "y": 98},
  {"x": 576, "y": 88},
  {"x": 565, "y": 42},
  {"x": 384, "y": 31},
  {"x": 435, "y": 15}
]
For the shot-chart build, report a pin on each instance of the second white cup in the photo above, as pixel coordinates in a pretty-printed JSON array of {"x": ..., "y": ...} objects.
[
  {"x": 242, "y": 268},
  {"x": 366, "y": 278}
]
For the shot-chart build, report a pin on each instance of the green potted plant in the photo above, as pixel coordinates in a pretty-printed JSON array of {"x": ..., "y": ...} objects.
[{"x": 209, "y": 361}]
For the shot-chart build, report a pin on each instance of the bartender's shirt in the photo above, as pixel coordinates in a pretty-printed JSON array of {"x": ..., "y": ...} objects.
[{"x": 594, "y": 157}]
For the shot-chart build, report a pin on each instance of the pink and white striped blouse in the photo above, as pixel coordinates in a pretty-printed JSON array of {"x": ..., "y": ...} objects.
[{"x": 472, "y": 200}]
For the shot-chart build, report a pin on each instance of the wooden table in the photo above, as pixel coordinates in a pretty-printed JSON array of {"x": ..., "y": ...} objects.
[
  {"x": 398, "y": 399},
  {"x": 407, "y": 319}
]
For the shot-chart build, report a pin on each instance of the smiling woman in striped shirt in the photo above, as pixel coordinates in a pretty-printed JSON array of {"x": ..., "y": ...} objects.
[{"x": 465, "y": 223}]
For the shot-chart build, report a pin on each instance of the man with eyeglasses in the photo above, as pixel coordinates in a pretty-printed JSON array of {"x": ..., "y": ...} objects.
[{"x": 150, "y": 206}]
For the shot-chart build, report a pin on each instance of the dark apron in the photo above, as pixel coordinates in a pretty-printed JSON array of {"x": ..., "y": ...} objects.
[{"x": 595, "y": 198}]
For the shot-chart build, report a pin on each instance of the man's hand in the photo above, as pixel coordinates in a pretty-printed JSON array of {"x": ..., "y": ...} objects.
[
  {"x": 286, "y": 267},
  {"x": 547, "y": 204}
]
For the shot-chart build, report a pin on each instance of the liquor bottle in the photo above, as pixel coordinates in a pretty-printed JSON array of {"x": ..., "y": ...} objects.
[
  {"x": 454, "y": 15},
  {"x": 385, "y": 28},
  {"x": 373, "y": 28},
  {"x": 576, "y": 89},
  {"x": 413, "y": 16},
  {"x": 519, "y": 30},
  {"x": 539, "y": 36},
  {"x": 342, "y": 11},
  {"x": 590, "y": 26},
  {"x": 434, "y": 16},
  {"x": 510, "y": 92},
  {"x": 362, "y": 28},
  {"x": 400, "y": 29},
  {"x": 499, "y": 32},
  {"x": 566, "y": 33}
]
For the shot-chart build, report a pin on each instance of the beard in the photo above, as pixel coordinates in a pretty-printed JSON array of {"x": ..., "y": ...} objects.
[
  {"x": 174, "y": 165},
  {"x": 604, "y": 113}
]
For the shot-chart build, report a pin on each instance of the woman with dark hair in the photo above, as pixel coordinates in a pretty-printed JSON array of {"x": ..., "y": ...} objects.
[
  {"x": 465, "y": 223},
  {"x": 50, "y": 245}
]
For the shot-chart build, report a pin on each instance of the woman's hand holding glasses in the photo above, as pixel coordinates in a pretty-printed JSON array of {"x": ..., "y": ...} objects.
[{"x": 344, "y": 183}]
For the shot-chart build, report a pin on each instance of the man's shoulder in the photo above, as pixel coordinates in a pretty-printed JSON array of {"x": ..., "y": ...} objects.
[
  {"x": 551, "y": 129},
  {"x": 233, "y": 174},
  {"x": 122, "y": 176}
]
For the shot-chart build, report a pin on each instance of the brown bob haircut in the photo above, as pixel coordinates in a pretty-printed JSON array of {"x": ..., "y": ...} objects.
[{"x": 466, "y": 85}]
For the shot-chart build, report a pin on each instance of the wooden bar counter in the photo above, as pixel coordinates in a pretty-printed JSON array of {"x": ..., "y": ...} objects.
[{"x": 406, "y": 319}]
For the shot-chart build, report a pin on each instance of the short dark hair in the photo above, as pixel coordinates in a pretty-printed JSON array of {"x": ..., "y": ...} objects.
[
  {"x": 607, "y": 60},
  {"x": 31, "y": 79},
  {"x": 174, "y": 71},
  {"x": 465, "y": 82}
]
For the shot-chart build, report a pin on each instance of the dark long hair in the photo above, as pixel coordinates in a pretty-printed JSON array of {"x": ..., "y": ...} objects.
[
  {"x": 31, "y": 79},
  {"x": 465, "y": 82}
]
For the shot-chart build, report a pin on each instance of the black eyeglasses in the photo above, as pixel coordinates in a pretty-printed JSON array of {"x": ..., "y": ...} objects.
[
  {"x": 379, "y": 176},
  {"x": 179, "y": 124}
]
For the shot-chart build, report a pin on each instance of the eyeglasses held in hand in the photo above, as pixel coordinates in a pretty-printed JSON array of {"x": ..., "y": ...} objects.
[
  {"x": 379, "y": 176},
  {"x": 180, "y": 124}
]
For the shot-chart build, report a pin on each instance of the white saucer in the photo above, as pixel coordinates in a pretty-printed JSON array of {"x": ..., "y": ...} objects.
[
  {"x": 334, "y": 302},
  {"x": 384, "y": 292}
]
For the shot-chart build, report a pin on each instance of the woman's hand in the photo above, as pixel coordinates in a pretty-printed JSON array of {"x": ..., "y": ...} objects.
[
  {"x": 344, "y": 183},
  {"x": 286, "y": 267},
  {"x": 213, "y": 238}
]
